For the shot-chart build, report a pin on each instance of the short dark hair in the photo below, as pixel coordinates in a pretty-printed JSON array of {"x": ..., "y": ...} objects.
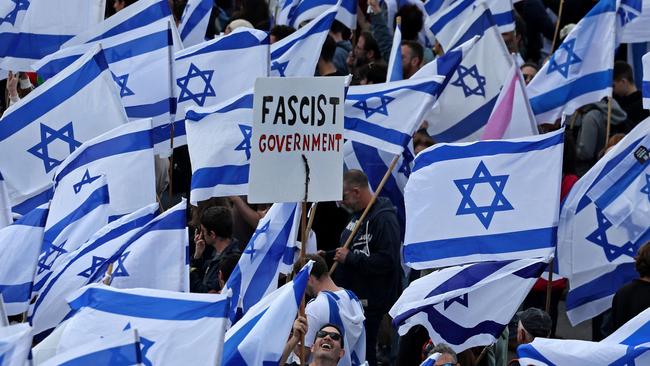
[
  {"x": 281, "y": 31},
  {"x": 328, "y": 50},
  {"x": 338, "y": 27},
  {"x": 228, "y": 264},
  {"x": 412, "y": 21},
  {"x": 416, "y": 49},
  {"x": 642, "y": 260},
  {"x": 371, "y": 44},
  {"x": 338, "y": 329},
  {"x": 373, "y": 72},
  {"x": 218, "y": 220},
  {"x": 623, "y": 70},
  {"x": 530, "y": 64},
  {"x": 355, "y": 177},
  {"x": 319, "y": 268}
]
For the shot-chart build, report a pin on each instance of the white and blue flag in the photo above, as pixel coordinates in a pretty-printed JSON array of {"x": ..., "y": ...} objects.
[
  {"x": 213, "y": 72},
  {"x": 20, "y": 245},
  {"x": 633, "y": 16},
  {"x": 6, "y": 217},
  {"x": 469, "y": 96},
  {"x": 50, "y": 123},
  {"x": 270, "y": 251},
  {"x": 270, "y": 319},
  {"x": 479, "y": 194},
  {"x": 450, "y": 303},
  {"x": 386, "y": 115},
  {"x": 431, "y": 360},
  {"x": 629, "y": 345},
  {"x": 298, "y": 54},
  {"x": 15, "y": 343},
  {"x": 296, "y": 12},
  {"x": 119, "y": 349},
  {"x": 219, "y": 143},
  {"x": 578, "y": 72},
  {"x": 194, "y": 22},
  {"x": 175, "y": 328},
  {"x": 84, "y": 265},
  {"x": 395, "y": 71},
  {"x": 645, "y": 84},
  {"x": 594, "y": 254},
  {"x": 157, "y": 257},
  {"x": 121, "y": 155},
  {"x": 30, "y": 30}
]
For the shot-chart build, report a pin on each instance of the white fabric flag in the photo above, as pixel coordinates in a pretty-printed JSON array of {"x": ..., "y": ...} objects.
[
  {"x": 479, "y": 194},
  {"x": 645, "y": 84},
  {"x": 120, "y": 349},
  {"x": 6, "y": 218},
  {"x": 194, "y": 22},
  {"x": 15, "y": 343},
  {"x": 46, "y": 126},
  {"x": 174, "y": 328}
]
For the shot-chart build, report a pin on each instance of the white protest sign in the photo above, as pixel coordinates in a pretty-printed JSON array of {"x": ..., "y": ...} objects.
[{"x": 297, "y": 120}]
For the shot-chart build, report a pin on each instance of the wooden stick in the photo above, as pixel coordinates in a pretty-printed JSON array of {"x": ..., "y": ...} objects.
[
  {"x": 303, "y": 231},
  {"x": 549, "y": 286},
  {"x": 483, "y": 352},
  {"x": 609, "y": 121},
  {"x": 312, "y": 215},
  {"x": 109, "y": 273},
  {"x": 357, "y": 226},
  {"x": 557, "y": 26}
]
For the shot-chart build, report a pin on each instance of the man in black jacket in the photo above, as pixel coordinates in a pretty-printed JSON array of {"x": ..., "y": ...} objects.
[
  {"x": 371, "y": 266},
  {"x": 216, "y": 231}
]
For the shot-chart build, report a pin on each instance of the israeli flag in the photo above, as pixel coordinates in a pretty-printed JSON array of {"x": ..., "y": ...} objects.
[
  {"x": 119, "y": 349},
  {"x": 297, "y": 54},
  {"x": 6, "y": 217},
  {"x": 30, "y": 30},
  {"x": 629, "y": 345},
  {"x": 157, "y": 257},
  {"x": 431, "y": 7},
  {"x": 431, "y": 360},
  {"x": 39, "y": 197},
  {"x": 270, "y": 251},
  {"x": 578, "y": 72},
  {"x": 645, "y": 85},
  {"x": 194, "y": 22},
  {"x": 448, "y": 24},
  {"x": 85, "y": 265},
  {"x": 15, "y": 343},
  {"x": 469, "y": 96},
  {"x": 375, "y": 163},
  {"x": 219, "y": 143},
  {"x": 140, "y": 63},
  {"x": 72, "y": 219},
  {"x": 446, "y": 64},
  {"x": 213, "y": 72},
  {"x": 20, "y": 245},
  {"x": 395, "y": 71},
  {"x": 50, "y": 123},
  {"x": 296, "y": 12},
  {"x": 450, "y": 302},
  {"x": 594, "y": 254},
  {"x": 270, "y": 319},
  {"x": 479, "y": 194},
  {"x": 386, "y": 115},
  {"x": 633, "y": 16},
  {"x": 139, "y": 14},
  {"x": 122, "y": 154},
  {"x": 175, "y": 328}
]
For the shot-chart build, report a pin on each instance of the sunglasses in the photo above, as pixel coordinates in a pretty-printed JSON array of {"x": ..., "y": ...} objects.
[{"x": 333, "y": 335}]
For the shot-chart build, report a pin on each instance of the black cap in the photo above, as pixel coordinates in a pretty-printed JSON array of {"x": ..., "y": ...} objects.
[{"x": 536, "y": 322}]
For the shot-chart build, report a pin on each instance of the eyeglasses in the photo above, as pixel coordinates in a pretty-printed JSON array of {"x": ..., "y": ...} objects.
[{"x": 333, "y": 335}]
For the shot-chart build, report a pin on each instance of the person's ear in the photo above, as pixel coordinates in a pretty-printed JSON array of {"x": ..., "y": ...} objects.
[{"x": 341, "y": 353}]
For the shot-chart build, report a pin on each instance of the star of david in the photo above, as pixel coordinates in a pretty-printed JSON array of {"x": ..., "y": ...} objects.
[
  {"x": 184, "y": 82},
  {"x": 96, "y": 264},
  {"x": 599, "y": 237},
  {"x": 49, "y": 135},
  {"x": 121, "y": 83},
  {"x": 499, "y": 202},
  {"x": 46, "y": 261},
  {"x": 382, "y": 108},
  {"x": 13, "y": 14},
  {"x": 250, "y": 248},
  {"x": 146, "y": 345},
  {"x": 646, "y": 189},
  {"x": 280, "y": 67},
  {"x": 571, "y": 58},
  {"x": 462, "y": 300},
  {"x": 625, "y": 15},
  {"x": 479, "y": 80},
  {"x": 120, "y": 269},
  {"x": 86, "y": 179},
  {"x": 245, "y": 145},
  {"x": 405, "y": 167}
]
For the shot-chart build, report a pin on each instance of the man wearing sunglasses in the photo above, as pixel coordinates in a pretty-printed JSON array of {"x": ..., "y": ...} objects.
[{"x": 328, "y": 346}]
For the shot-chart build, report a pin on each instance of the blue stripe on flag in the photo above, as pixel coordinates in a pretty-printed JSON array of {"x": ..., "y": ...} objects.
[
  {"x": 528, "y": 351},
  {"x": 234, "y": 41},
  {"x": 195, "y": 18},
  {"x": 136, "y": 141},
  {"x": 55, "y": 66},
  {"x": 53, "y": 97},
  {"x": 459, "y": 7},
  {"x": 382, "y": 133},
  {"x": 30, "y": 46},
  {"x": 503, "y": 18},
  {"x": 32, "y": 203},
  {"x": 322, "y": 26},
  {"x": 484, "y": 148},
  {"x": 16, "y": 293},
  {"x": 139, "y": 46},
  {"x": 126, "y": 354},
  {"x": 156, "y": 11},
  {"x": 245, "y": 102},
  {"x": 429, "y": 87},
  {"x": 621, "y": 185},
  {"x": 481, "y": 244},
  {"x": 560, "y": 96},
  {"x": 306, "y": 5},
  {"x": 478, "y": 28},
  {"x": 149, "y": 307},
  {"x": 602, "y": 7},
  {"x": 231, "y": 355},
  {"x": 601, "y": 287},
  {"x": 150, "y": 110},
  {"x": 645, "y": 89},
  {"x": 468, "y": 125},
  {"x": 35, "y": 218},
  {"x": 162, "y": 133},
  {"x": 214, "y": 176}
]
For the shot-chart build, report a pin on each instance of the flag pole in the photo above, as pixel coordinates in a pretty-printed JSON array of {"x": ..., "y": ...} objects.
[
  {"x": 549, "y": 286},
  {"x": 557, "y": 26},
  {"x": 609, "y": 120},
  {"x": 312, "y": 215},
  {"x": 109, "y": 273},
  {"x": 171, "y": 123},
  {"x": 354, "y": 231},
  {"x": 303, "y": 232}
]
